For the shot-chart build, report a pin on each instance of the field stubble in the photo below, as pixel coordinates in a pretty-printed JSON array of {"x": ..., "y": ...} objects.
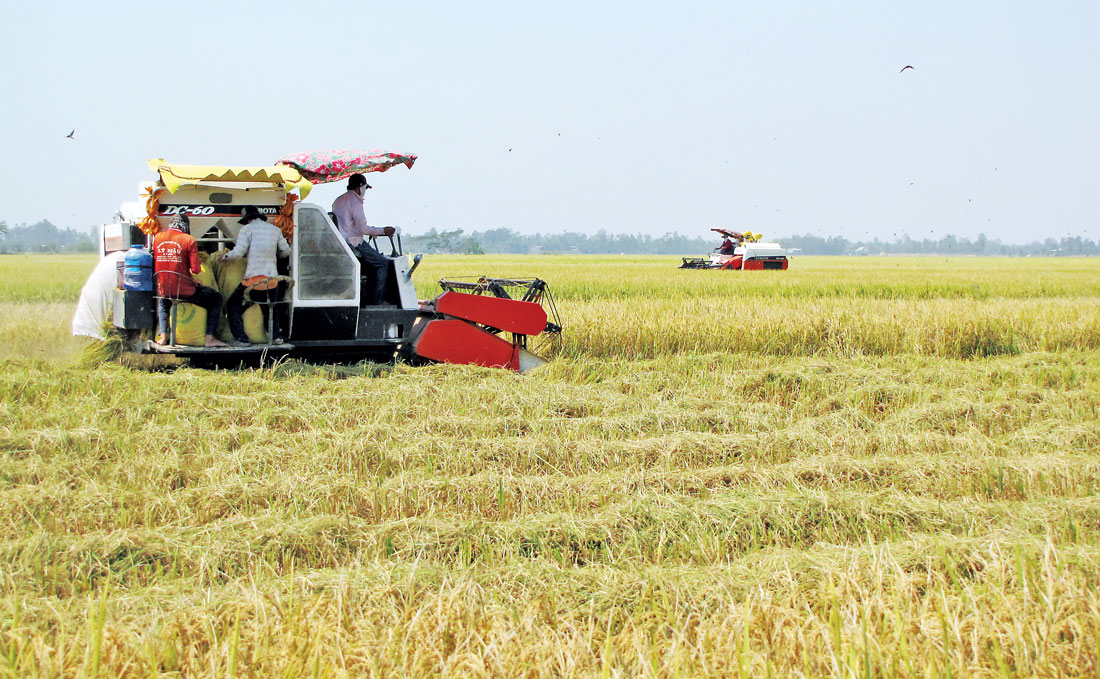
[{"x": 876, "y": 467}]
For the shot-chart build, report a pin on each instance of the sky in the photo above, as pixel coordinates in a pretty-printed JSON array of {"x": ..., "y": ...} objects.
[{"x": 643, "y": 117}]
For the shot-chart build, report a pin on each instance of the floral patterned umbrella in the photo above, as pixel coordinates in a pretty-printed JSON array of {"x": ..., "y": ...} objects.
[{"x": 322, "y": 167}]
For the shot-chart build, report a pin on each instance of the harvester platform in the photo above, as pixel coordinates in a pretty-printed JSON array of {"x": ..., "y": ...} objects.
[
  {"x": 468, "y": 322},
  {"x": 186, "y": 351}
]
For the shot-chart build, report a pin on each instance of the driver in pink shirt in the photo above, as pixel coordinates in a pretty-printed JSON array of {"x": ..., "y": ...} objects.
[{"x": 352, "y": 222}]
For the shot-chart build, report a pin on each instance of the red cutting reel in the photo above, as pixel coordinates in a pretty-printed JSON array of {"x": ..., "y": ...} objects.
[{"x": 492, "y": 322}]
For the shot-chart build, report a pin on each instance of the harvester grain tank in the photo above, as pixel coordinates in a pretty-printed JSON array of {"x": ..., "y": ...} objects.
[{"x": 485, "y": 321}]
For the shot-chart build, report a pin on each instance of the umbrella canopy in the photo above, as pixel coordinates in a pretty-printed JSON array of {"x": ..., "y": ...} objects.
[
  {"x": 322, "y": 167},
  {"x": 729, "y": 234}
]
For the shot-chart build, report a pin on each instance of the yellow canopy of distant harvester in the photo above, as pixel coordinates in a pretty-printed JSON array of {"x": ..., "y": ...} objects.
[{"x": 174, "y": 176}]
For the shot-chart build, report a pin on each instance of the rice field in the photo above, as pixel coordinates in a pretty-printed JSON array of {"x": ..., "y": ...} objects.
[{"x": 860, "y": 467}]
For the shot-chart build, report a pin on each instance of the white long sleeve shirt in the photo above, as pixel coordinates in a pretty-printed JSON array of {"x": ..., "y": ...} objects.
[{"x": 262, "y": 243}]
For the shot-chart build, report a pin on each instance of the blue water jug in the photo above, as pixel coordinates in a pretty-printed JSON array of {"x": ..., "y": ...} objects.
[{"x": 137, "y": 270}]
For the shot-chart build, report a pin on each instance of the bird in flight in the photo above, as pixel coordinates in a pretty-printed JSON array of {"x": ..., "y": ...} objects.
[
  {"x": 70, "y": 135},
  {"x": 905, "y": 67}
]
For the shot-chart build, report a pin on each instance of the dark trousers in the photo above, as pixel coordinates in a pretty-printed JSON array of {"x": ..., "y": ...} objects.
[
  {"x": 377, "y": 264},
  {"x": 208, "y": 298},
  {"x": 238, "y": 304}
]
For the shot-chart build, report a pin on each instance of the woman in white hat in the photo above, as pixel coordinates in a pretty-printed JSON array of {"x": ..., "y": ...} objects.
[{"x": 262, "y": 243}]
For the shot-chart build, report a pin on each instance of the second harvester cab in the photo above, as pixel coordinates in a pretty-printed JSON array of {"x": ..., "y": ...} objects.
[{"x": 741, "y": 252}]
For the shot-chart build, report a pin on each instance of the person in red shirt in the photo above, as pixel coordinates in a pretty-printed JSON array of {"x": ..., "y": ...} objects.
[{"x": 176, "y": 258}]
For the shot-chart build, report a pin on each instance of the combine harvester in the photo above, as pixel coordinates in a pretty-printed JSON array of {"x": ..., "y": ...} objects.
[
  {"x": 482, "y": 321},
  {"x": 740, "y": 252}
]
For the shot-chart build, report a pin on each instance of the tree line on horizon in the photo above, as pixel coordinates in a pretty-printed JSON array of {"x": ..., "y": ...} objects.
[
  {"x": 45, "y": 237},
  {"x": 507, "y": 241}
]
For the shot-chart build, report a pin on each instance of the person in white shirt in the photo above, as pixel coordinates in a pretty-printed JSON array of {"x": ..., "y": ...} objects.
[
  {"x": 262, "y": 243},
  {"x": 352, "y": 222}
]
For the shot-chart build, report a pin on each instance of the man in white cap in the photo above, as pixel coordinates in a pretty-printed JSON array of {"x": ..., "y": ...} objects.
[{"x": 352, "y": 222}]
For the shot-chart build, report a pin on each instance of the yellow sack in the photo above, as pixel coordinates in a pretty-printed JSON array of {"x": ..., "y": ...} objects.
[
  {"x": 230, "y": 273},
  {"x": 191, "y": 318}
]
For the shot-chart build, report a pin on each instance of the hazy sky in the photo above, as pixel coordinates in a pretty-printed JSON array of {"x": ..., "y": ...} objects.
[{"x": 781, "y": 117}]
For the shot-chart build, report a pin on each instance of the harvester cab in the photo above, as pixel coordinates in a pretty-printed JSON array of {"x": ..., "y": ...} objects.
[
  {"x": 325, "y": 311},
  {"x": 740, "y": 251}
]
